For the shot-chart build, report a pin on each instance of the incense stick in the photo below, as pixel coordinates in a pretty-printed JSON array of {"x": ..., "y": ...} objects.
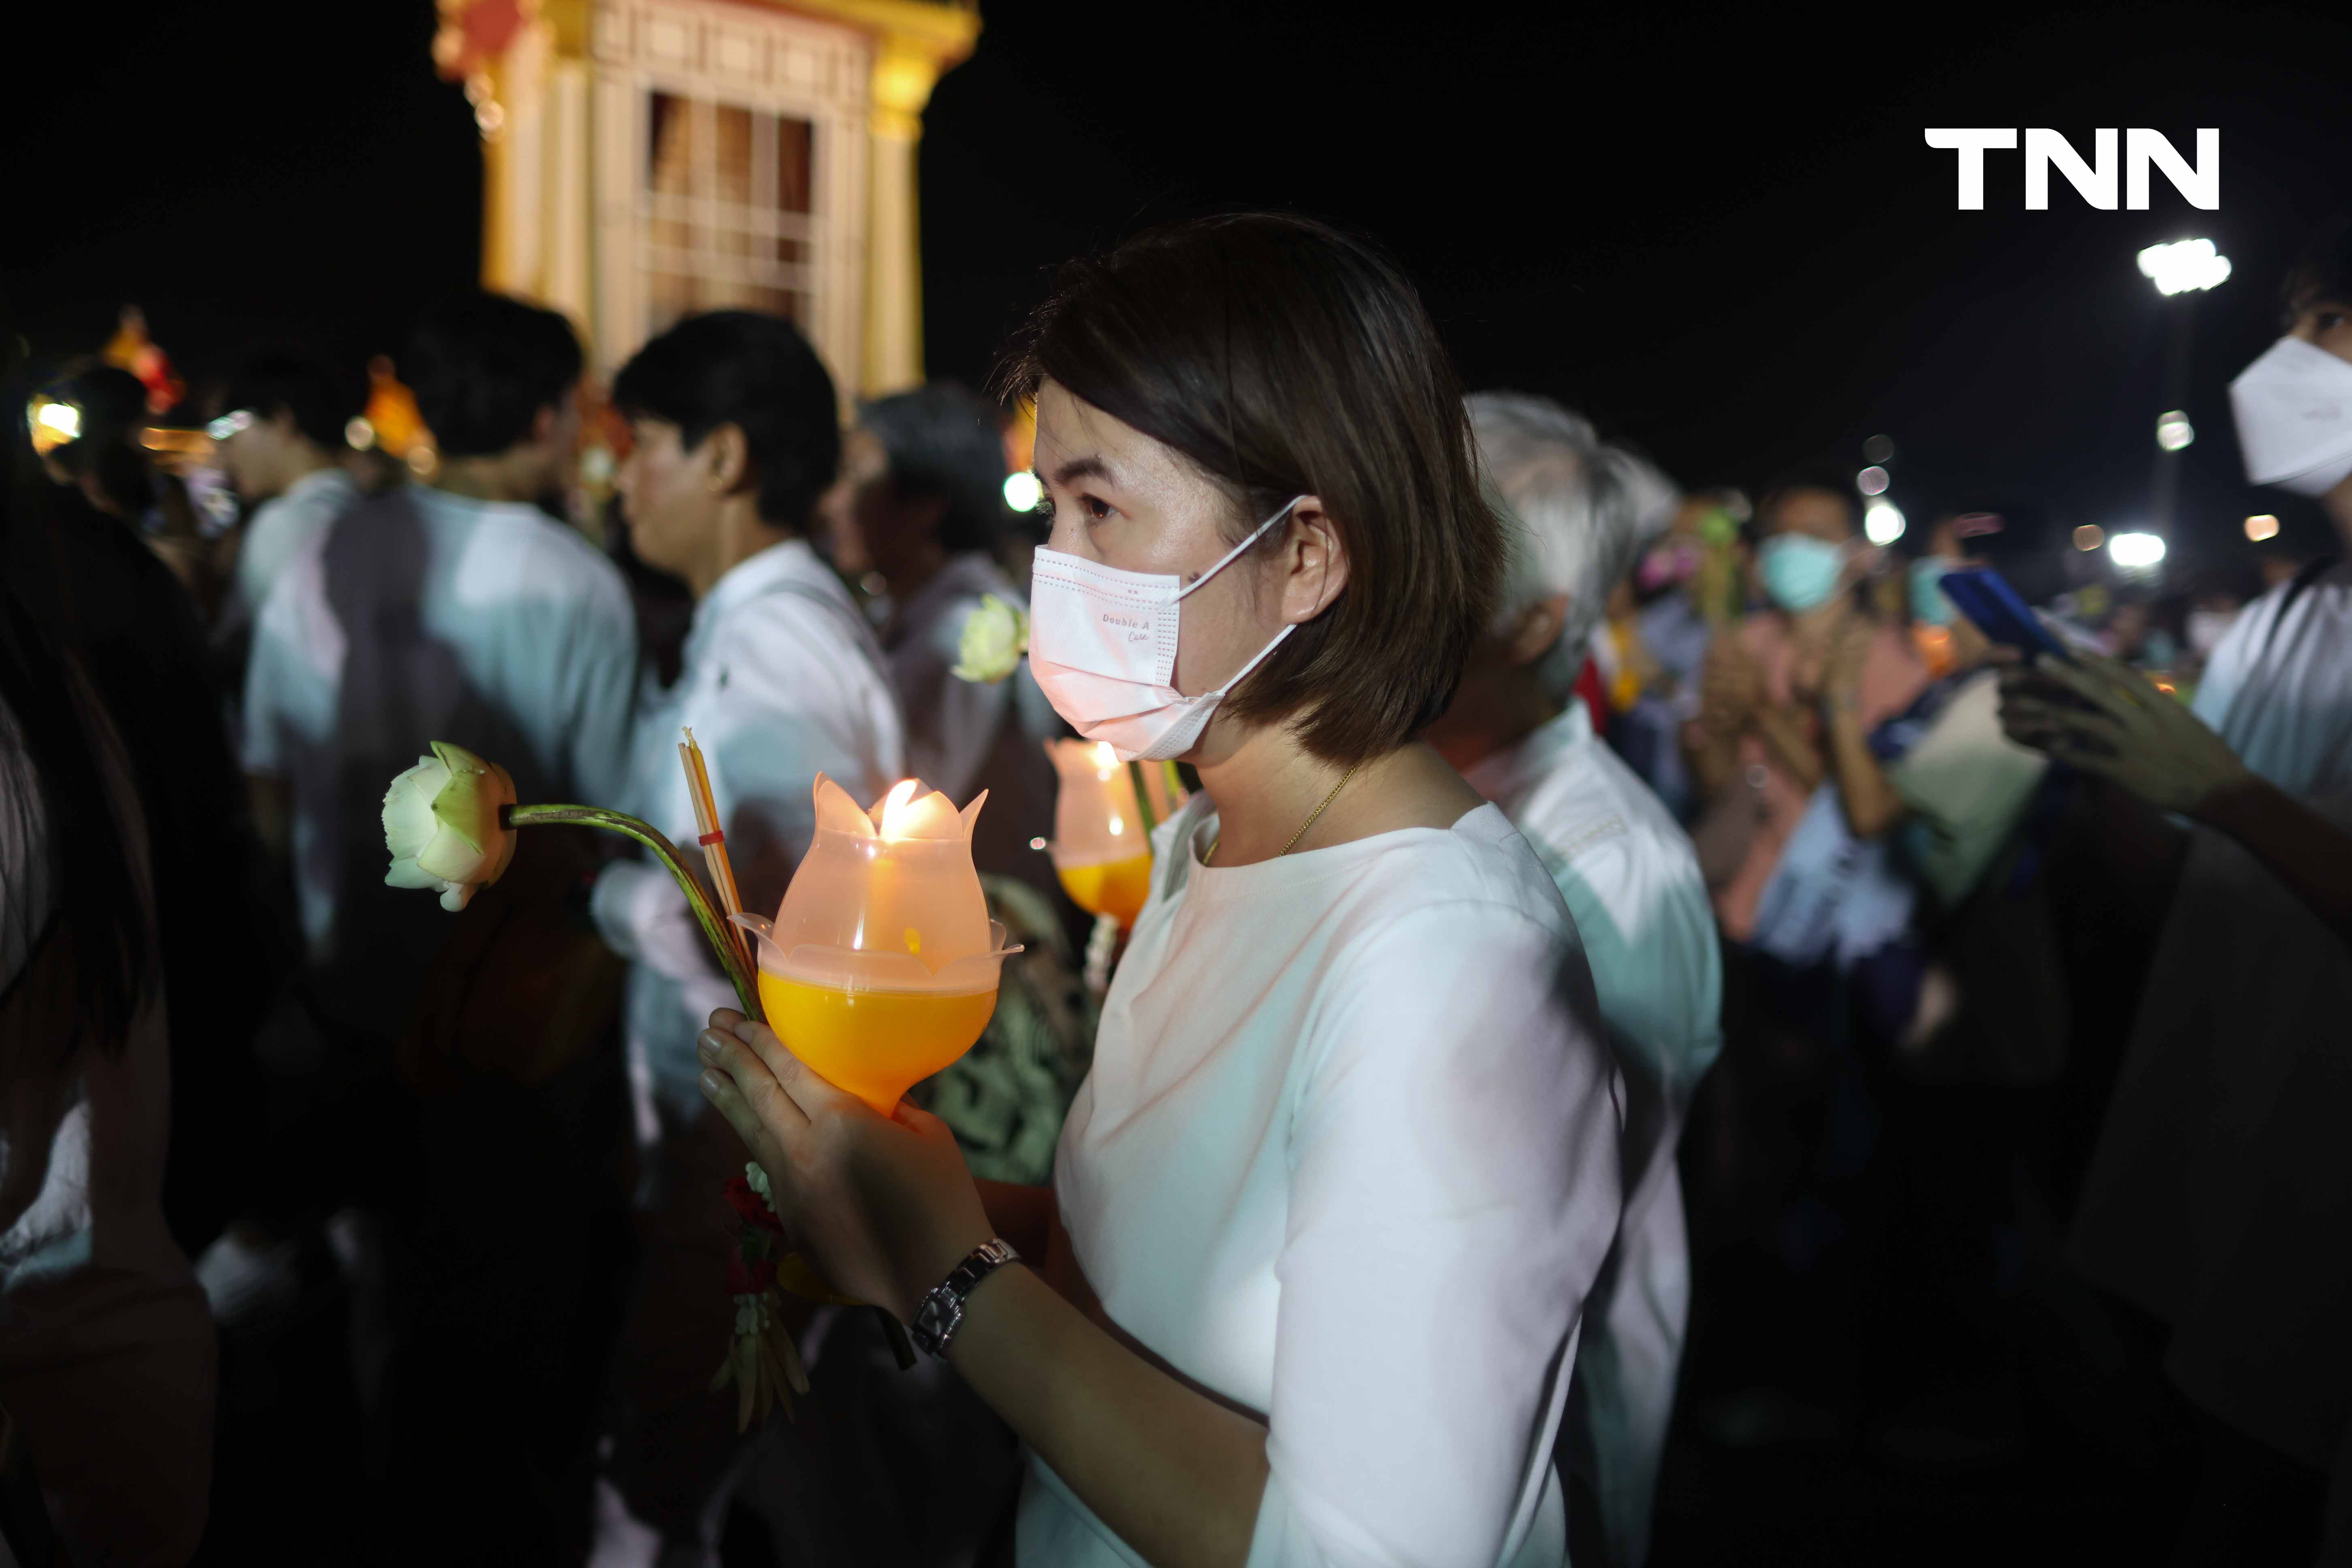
[{"x": 714, "y": 837}]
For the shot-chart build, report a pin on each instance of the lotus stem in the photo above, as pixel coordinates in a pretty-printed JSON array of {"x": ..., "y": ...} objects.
[
  {"x": 715, "y": 929},
  {"x": 1142, "y": 800}
]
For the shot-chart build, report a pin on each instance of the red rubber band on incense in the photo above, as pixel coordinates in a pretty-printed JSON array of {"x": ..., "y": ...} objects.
[{"x": 707, "y": 839}]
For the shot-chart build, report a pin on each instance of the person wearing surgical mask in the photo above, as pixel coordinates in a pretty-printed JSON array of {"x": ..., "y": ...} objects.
[
  {"x": 1788, "y": 702},
  {"x": 2278, "y": 686},
  {"x": 2218, "y": 1185},
  {"x": 1306, "y": 1286}
]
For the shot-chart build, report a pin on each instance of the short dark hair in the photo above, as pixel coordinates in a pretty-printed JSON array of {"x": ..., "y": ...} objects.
[
  {"x": 1809, "y": 477},
  {"x": 2323, "y": 270},
  {"x": 754, "y": 372},
  {"x": 1284, "y": 358},
  {"x": 483, "y": 365},
  {"x": 943, "y": 443},
  {"x": 278, "y": 379}
]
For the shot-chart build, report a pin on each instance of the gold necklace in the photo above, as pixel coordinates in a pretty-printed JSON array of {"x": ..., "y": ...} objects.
[{"x": 1302, "y": 826}]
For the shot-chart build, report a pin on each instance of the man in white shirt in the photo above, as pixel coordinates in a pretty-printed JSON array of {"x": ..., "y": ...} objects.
[
  {"x": 456, "y": 612},
  {"x": 280, "y": 438},
  {"x": 734, "y": 436},
  {"x": 1583, "y": 510}
]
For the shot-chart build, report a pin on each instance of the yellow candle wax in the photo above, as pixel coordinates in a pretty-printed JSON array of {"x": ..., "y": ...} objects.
[
  {"x": 1113, "y": 887},
  {"x": 874, "y": 1044}
]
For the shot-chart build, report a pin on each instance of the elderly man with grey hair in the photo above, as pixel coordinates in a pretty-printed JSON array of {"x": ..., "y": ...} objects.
[{"x": 1584, "y": 511}]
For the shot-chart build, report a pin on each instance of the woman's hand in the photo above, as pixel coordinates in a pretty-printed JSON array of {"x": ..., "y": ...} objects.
[
  {"x": 2098, "y": 715},
  {"x": 884, "y": 1206}
]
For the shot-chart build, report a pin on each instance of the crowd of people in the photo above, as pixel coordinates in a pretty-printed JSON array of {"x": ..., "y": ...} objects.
[{"x": 1627, "y": 965}]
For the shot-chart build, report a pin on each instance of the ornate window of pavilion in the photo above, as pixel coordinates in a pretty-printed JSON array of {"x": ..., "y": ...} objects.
[{"x": 647, "y": 159}]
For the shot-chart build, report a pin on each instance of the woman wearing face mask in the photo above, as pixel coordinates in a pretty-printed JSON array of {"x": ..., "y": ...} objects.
[
  {"x": 1788, "y": 702},
  {"x": 1328, "y": 1205}
]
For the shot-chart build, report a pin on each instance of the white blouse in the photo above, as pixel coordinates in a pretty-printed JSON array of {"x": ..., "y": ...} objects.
[{"x": 1348, "y": 1156}]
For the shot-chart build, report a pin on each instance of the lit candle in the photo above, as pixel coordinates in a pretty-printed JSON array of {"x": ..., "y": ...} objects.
[
  {"x": 881, "y": 966},
  {"x": 1101, "y": 846}
]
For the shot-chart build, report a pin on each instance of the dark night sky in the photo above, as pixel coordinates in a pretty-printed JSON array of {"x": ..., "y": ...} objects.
[{"x": 1720, "y": 233}]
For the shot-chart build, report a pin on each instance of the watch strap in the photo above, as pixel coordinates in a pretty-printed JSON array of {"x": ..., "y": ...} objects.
[{"x": 941, "y": 1313}]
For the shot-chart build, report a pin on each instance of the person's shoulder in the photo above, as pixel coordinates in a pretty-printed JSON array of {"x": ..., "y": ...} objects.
[
  {"x": 1480, "y": 872},
  {"x": 795, "y": 640},
  {"x": 552, "y": 563},
  {"x": 1596, "y": 816}
]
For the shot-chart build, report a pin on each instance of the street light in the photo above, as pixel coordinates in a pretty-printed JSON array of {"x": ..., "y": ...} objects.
[
  {"x": 2183, "y": 266},
  {"x": 1872, "y": 480},
  {"x": 2262, "y": 526},
  {"x": 2173, "y": 430},
  {"x": 2135, "y": 552},
  {"x": 1883, "y": 522}
]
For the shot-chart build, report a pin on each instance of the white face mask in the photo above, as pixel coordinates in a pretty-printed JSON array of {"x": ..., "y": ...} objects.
[
  {"x": 2294, "y": 417},
  {"x": 1102, "y": 646}
]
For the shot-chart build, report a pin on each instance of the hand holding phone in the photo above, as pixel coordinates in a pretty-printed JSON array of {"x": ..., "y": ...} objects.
[{"x": 1996, "y": 610}]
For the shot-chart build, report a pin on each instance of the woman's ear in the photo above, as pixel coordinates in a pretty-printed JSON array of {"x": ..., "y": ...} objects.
[{"x": 1314, "y": 561}]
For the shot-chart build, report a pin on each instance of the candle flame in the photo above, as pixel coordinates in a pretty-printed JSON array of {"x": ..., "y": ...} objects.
[{"x": 894, "y": 808}]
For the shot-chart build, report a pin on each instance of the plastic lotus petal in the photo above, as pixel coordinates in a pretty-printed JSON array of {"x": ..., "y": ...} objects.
[
  {"x": 880, "y": 967},
  {"x": 442, "y": 824},
  {"x": 994, "y": 638}
]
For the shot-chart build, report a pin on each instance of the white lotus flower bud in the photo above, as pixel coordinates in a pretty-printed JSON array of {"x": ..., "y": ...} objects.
[
  {"x": 996, "y": 636},
  {"x": 441, "y": 823}
]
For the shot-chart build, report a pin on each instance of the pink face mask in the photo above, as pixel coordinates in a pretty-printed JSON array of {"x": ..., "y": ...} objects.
[
  {"x": 1102, "y": 646},
  {"x": 1665, "y": 567}
]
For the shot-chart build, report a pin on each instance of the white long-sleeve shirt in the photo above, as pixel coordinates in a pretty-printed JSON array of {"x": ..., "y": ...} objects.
[
  {"x": 1348, "y": 1156},
  {"x": 781, "y": 680},
  {"x": 1632, "y": 880}
]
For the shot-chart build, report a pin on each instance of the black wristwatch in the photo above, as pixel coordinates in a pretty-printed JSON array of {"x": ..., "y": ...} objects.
[{"x": 940, "y": 1314}]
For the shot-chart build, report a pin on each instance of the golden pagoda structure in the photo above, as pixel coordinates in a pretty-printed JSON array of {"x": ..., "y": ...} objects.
[{"x": 647, "y": 159}]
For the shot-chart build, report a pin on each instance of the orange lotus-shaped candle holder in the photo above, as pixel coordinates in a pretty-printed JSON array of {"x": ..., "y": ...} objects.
[
  {"x": 880, "y": 967},
  {"x": 1101, "y": 847}
]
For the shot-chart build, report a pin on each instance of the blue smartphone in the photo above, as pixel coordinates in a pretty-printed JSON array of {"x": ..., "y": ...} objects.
[{"x": 1985, "y": 596}]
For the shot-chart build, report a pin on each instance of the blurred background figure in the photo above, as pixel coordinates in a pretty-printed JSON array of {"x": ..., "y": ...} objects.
[
  {"x": 89, "y": 424},
  {"x": 1687, "y": 586},
  {"x": 1815, "y": 911},
  {"x": 734, "y": 438},
  {"x": 2219, "y": 1156},
  {"x": 1787, "y": 704},
  {"x": 280, "y": 437},
  {"x": 1581, "y": 512},
  {"x": 920, "y": 505},
  {"x": 432, "y": 1060},
  {"x": 107, "y": 1360}
]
